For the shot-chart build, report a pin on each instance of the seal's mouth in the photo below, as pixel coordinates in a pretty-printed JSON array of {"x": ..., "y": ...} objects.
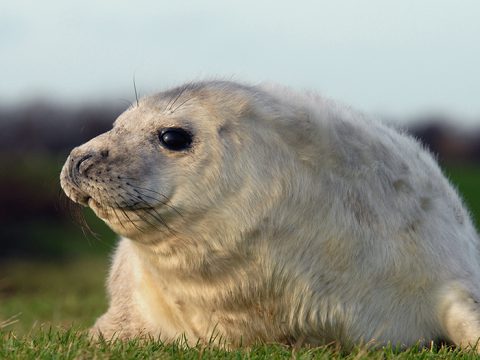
[
  {"x": 88, "y": 201},
  {"x": 99, "y": 209},
  {"x": 84, "y": 200},
  {"x": 91, "y": 202},
  {"x": 119, "y": 211}
]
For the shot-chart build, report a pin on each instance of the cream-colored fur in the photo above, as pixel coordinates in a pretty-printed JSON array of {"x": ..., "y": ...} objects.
[{"x": 290, "y": 218}]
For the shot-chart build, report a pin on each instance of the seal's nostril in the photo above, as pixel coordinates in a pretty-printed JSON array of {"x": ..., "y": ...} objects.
[
  {"x": 82, "y": 159},
  {"x": 104, "y": 153}
]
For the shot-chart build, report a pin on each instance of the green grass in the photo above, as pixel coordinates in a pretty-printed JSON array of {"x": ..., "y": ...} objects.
[
  {"x": 74, "y": 344},
  {"x": 59, "y": 293},
  {"x": 46, "y": 305}
]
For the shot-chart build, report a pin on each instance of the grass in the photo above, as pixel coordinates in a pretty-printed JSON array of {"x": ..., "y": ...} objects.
[
  {"x": 58, "y": 293},
  {"x": 46, "y": 305},
  {"x": 75, "y": 344}
]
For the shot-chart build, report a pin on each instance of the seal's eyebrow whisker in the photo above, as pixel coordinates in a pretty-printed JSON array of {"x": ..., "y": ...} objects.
[
  {"x": 184, "y": 88},
  {"x": 170, "y": 103},
  {"x": 126, "y": 101},
  {"x": 190, "y": 98},
  {"x": 135, "y": 89}
]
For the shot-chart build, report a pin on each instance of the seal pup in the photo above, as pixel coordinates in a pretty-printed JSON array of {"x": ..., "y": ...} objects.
[{"x": 261, "y": 214}]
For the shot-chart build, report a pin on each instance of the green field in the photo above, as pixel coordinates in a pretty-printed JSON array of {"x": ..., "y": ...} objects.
[{"x": 47, "y": 303}]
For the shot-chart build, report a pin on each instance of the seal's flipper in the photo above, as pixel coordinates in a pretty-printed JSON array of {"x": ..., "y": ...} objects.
[{"x": 460, "y": 315}]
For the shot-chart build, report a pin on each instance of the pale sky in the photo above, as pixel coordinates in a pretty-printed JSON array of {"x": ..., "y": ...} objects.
[{"x": 399, "y": 57}]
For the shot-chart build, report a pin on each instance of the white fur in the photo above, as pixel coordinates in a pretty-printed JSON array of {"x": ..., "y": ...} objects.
[{"x": 301, "y": 221}]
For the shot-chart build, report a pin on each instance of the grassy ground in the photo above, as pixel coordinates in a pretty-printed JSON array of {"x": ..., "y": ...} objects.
[
  {"x": 64, "y": 293},
  {"x": 73, "y": 344},
  {"x": 45, "y": 305}
]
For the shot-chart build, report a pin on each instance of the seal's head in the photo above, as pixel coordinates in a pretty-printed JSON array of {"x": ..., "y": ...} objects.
[{"x": 201, "y": 149}]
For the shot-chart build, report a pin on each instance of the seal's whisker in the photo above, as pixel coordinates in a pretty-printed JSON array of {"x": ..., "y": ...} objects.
[
  {"x": 86, "y": 228},
  {"x": 127, "y": 178},
  {"x": 146, "y": 189},
  {"x": 153, "y": 217},
  {"x": 157, "y": 217},
  {"x": 156, "y": 199},
  {"x": 129, "y": 219},
  {"x": 140, "y": 195},
  {"x": 75, "y": 211},
  {"x": 141, "y": 199},
  {"x": 118, "y": 218},
  {"x": 148, "y": 222}
]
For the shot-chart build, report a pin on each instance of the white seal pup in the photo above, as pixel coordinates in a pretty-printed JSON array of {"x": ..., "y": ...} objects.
[{"x": 261, "y": 214}]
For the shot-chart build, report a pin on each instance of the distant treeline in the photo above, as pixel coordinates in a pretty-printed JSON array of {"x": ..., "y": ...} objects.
[
  {"x": 50, "y": 128},
  {"x": 35, "y": 216},
  {"x": 450, "y": 143}
]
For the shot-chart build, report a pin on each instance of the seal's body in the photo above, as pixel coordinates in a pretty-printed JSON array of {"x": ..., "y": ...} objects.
[{"x": 259, "y": 214}]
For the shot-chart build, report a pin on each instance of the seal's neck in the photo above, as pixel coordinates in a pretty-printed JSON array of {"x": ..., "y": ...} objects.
[{"x": 204, "y": 245}]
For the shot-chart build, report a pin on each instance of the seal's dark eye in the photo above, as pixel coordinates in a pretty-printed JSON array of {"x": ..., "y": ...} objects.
[{"x": 175, "y": 139}]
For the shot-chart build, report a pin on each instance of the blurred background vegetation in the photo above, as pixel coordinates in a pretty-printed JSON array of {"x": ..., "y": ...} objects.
[{"x": 52, "y": 271}]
